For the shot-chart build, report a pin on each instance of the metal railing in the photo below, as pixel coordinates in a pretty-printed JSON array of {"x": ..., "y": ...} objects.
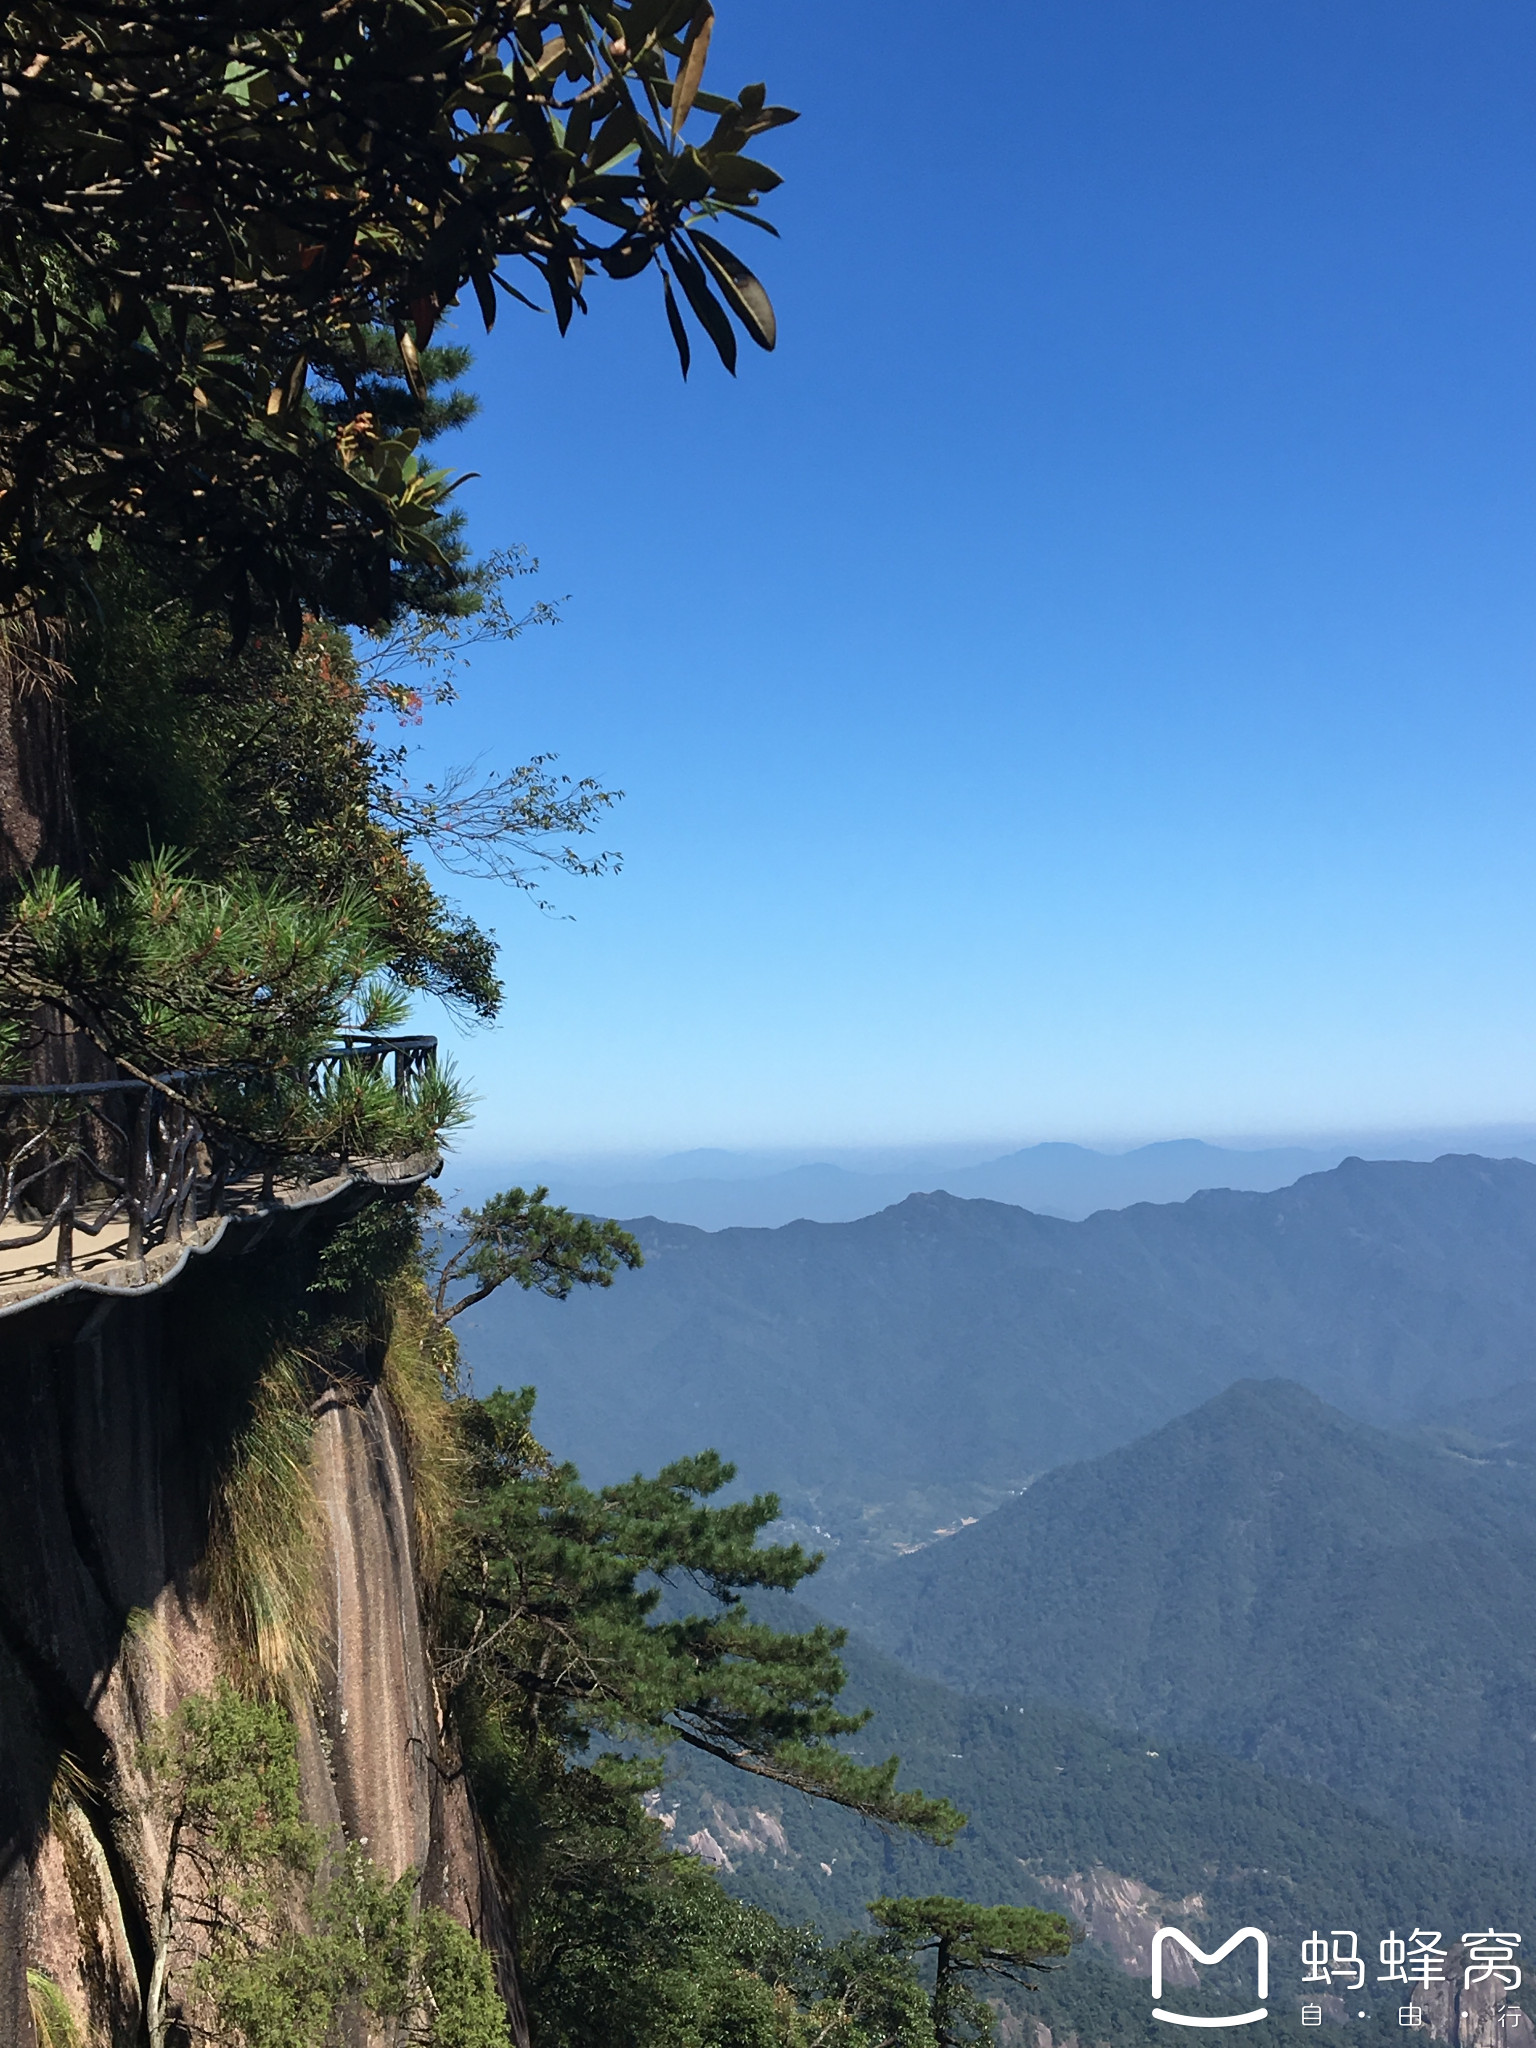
[{"x": 129, "y": 1165}]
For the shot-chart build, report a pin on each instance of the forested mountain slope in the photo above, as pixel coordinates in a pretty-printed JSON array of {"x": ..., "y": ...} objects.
[
  {"x": 1068, "y": 1812},
  {"x": 1270, "y": 1577},
  {"x": 889, "y": 1374}
]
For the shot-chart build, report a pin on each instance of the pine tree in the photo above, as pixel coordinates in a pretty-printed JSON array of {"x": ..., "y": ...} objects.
[{"x": 969, "y": 1941}]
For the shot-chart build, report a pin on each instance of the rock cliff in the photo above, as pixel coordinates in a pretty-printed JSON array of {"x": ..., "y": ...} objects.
[{"x": 121, "y": 1409}]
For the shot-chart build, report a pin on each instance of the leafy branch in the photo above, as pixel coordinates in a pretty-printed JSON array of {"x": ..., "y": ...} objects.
[
  {"x": 541, "y": 1247},
  {"x": 197, "y": 387},
  {"x": 493, "y": 829},
  {"x": 551, "y": 1618},
  {"x": 434, "y": 648}
]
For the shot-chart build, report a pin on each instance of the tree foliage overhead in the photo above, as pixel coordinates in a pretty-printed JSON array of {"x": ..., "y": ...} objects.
[
  {"x": 205, "y": 212},
  {"x": 270, "y": 764},
  {"x": 173, "y": 970},
  {"x": 226, "y": 244},
  {"x": 298, "y": 836}
]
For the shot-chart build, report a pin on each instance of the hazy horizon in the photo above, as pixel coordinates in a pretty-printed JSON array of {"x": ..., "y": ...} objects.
[
  {"x": 732, "y": 1161},
  {"x": 711, "y": 1188}
]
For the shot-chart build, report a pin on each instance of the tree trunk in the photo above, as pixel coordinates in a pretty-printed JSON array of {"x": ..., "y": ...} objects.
[
  {"x": 38, "y": 826},
  {"x": 154, "y": 2002},
  {"x": 942, "y": 1989}
]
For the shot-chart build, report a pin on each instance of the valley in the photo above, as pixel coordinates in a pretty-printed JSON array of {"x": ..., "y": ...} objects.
[
  {"x": 889, "y": 1376},
  {"x": 1188, "y": 1548}
]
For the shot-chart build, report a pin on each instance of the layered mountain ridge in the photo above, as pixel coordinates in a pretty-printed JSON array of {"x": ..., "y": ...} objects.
[
  {"x": 891, "y": 1375},
  {"x": 1216, "y": 1597},
  {"x": 719, "y": 1190},
  {"x": 1267, "y": 1576}
]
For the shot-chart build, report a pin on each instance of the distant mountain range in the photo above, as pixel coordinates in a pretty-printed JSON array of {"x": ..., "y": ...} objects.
[
  {"x": 891, "y": 1375},
  {"x": 720, "y": 1190},
  {"x": 1220, "y": 1578},
  {"x": 1272, "y": 1578},
  {"x": 1054, "y": 1180}
]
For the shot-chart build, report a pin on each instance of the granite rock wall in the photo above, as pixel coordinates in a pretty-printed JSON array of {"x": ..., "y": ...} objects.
[{"x": 119, "y": 1410}]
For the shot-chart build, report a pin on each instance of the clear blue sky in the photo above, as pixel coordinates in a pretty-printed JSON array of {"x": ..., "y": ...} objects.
[{"x": 1081, "y": 685}]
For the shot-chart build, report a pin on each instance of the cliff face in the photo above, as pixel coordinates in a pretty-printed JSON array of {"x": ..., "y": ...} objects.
[
  {"x": 120, "y": 1412},
  {"x": 381, "y": 1772}
]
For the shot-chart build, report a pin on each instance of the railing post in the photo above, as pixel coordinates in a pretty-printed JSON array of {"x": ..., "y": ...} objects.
[
  {"x": 177, "y": 1119},
  {"x": 64, "y": 1249},
  {"x": 218, "y": 1155},
  {"x": 137, "y": 1180},
  {"x": 197, "y": 1152}
]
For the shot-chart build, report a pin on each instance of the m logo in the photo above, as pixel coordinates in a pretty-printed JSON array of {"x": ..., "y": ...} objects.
[{"x": 1189, "y": 2019}]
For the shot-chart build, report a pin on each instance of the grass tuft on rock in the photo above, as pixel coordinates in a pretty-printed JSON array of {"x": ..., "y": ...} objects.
[
  {"x": 52, "y": 2020},
  {"x": 267, "y": 1535},
  {"x": 420, "y": 1378}
]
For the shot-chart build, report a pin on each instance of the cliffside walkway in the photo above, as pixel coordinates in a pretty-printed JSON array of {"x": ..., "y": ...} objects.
[{"x": 112, "y": 1183}]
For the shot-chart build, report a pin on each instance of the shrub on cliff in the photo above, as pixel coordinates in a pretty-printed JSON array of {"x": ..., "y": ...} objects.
[{"x": 270, "y": 1932}]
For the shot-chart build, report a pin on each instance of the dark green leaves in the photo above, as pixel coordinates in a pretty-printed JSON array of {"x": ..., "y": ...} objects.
[
  {"x": 191, "y": 207},
  {"x": 740, "y": 289},
  {"x": 675, "y": 322},
  {"x": 706, "y": 306},
  {"x": 531, "y": 1241},
  {"x": 553, "y": 1620}
]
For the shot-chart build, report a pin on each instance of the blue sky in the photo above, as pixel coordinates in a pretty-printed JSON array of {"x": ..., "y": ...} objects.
[{"x": 1080, "y": 685}]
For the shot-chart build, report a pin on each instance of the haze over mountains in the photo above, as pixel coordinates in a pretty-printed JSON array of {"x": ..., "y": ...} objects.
[
  {"x": 889, "y": 1375},
  {"x": 1054, "y": 1180},
  {"x": 717, "y": 1190}
]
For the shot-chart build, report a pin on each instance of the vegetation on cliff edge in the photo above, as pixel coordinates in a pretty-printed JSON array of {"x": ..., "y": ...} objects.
[{"x": 227, "y": 248}]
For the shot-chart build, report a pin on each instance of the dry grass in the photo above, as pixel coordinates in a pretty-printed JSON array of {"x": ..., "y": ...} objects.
[
  {"x": 267, "y": 1537},
  {"x": 268, "y": 1525},
  {"x": 420, "y": 1375}
]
